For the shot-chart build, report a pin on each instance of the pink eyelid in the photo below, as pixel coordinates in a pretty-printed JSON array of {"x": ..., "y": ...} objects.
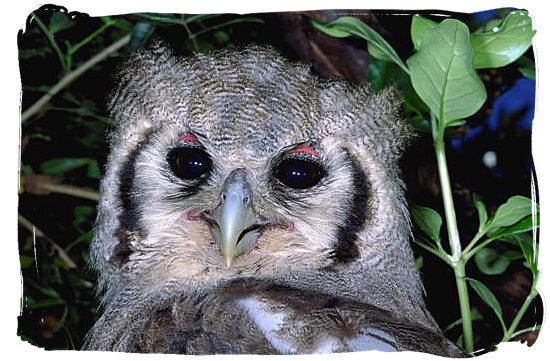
[
  {"x": 304, "y": 149},
  {"x": 188, "y": 138}
]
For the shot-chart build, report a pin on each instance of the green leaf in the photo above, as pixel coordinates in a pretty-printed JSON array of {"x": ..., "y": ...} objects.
[
  {"x": 419, "y": 26},
  {"x": 60, "y": 166},
  {"x": 93, "y": 170},
  {"x": 503, "y": 44},
  {"x": 512, "y": 255},
  {"x": 45, "y": 303},
  {"x": 379, "y": 73},
  {"x": 428, "y": 220},
  {"x": 159, "y": 18},
  {"x": 525, "y": 243},
  {"x": 82, "y": 213},
  {"x": 62, "y": 320},
  {"x": 198, "y": 17},
  {"x": 38, "y": 88},
  {"x": 525, "y": 225},
  {"x": 481, "y": 212},
  {"x": 26, "y": 261},
  {"x": 123, "y": 24},
  {"x": 383, "y": 73},
  {"x": 510, "y": 213},
  {"x": 45, "y": 137},
  {"x": 443, "y": 75},
  {"x": 31, "y": 53},
  {"x": 419, "y": 262},
  {"x": 203, "y": 45},
  {"x": 527, "y": 67},
  {"x": 490, "y": 262},
  {"x": 60, "y": 21},
  {"x": 460, "y": 341},
  {"x": 528, "y": 72},
  {"x": 83, "y": 217},
  {"x": 377, "y": 46},
  {"x": 330, "y": 29},
  {"x": 488, "y": 297},
  {"x": 49, "y": 292},
  {"x": 493, "y": 23},
  {"x": 222, "y": 37},
  {"x": 456, "y": 123},
  {"x": 27, "y": 169},
  {"x": 377, "y": 53},
  {"x": 420, "y": 123},
  {"x": 140, "y": 34}
]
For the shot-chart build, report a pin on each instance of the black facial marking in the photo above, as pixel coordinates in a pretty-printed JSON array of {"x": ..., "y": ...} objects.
[
  {"x": 129, "y": 217},
  {"x": 345, "y": 249}
]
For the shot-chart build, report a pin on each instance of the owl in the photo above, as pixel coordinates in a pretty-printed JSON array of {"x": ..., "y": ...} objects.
[{"x": 249, "y": 206}]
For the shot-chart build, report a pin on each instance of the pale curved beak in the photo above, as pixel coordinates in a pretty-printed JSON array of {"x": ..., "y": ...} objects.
[{"x": 237, "y": 225}]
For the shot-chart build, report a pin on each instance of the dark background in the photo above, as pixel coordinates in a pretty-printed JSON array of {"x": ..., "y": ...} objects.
[{"x": 64, "y": 143}]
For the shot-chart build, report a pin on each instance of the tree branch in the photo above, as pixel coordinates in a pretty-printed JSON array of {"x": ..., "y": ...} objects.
[
  {"x": 72, "y": 76},
  {"x": 43, "y": 185}
]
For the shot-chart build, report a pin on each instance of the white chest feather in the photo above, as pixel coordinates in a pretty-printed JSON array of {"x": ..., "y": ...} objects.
[{"x": 270, "y": 324}]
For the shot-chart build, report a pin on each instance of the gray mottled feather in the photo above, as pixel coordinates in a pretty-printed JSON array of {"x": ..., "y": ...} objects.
[{"x": 247, "y": 318}]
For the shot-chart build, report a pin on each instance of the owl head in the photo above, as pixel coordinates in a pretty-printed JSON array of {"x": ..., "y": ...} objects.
[{"x": 241, "y": 164}]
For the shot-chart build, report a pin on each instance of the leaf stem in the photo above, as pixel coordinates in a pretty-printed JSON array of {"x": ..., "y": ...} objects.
[
  {"x": 448, "y": 204},
  {"x": 439, "y": 252},
  {"x": 86, "y": 40},
  {"x": 71, "y": 190},
  {"x": 38, "y": 233},
  {"x": 510, "y": 333},
  {"x": 457, "y": 260},
  {"x": 190, "y": 35},
  {"x": 525, "y": 330},
  {"x": 51, "y": 39},
  {"x": 227, "y": 23},
  {"x": 469, "y": 252},
  {"x": 465, "y": 311}
]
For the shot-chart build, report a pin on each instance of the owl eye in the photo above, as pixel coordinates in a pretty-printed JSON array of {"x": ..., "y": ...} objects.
[
  {"x": 189, "y": 162},
  {"x": 298, "y": 173}
]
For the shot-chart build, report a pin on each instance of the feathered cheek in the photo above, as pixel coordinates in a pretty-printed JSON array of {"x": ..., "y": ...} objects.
[
  {"x": 275, "y": 237},
  {"x": 292, "y": 242}
]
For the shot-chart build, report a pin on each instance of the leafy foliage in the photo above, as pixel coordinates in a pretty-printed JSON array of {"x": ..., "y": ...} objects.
[
  {"x": 503, "y": 42},
  {"x": 377, "y": 46},
  {"x": 443, "y": 73}
]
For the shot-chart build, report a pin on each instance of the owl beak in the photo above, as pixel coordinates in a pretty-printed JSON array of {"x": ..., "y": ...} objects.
[{"x": 237, "y": 225}]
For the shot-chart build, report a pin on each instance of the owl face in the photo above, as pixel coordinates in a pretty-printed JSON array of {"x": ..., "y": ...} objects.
[
  {"x": 243, "y": 164},
  {"x": 211, "y": 210}
]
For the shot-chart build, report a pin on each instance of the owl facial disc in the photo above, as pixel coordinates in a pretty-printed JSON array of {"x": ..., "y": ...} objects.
[{"x": 234, "y": 222}]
